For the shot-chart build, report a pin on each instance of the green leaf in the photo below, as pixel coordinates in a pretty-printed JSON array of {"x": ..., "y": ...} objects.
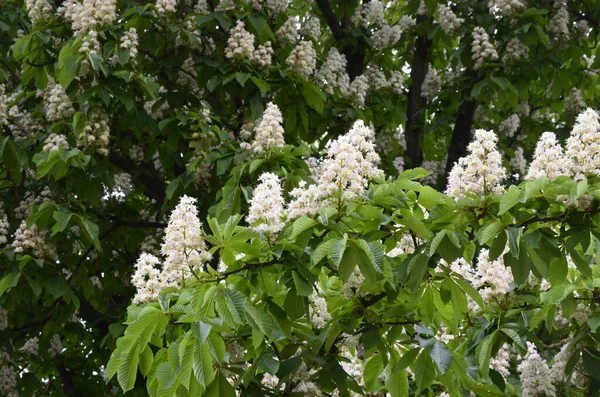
[
  {"x": 558, "y": 270},
  {"x": 202, "y": 366},
  {"x": 490, "y": 231},
  {"x": 62, "y": 221},
  {"x": 373, "y": 368},
  {"x": 9, "y": 281},
  {"x": 336, "y": 252},
  {"x": 301, "y": 225},
  {"x": 424, "y": 371},
  {"x": 219, "y": 387},
  {"x": 314, "y": 97},
  {"x": 594, "y": 323},
  {"x": 303, "y": 287},
  {"x": 396, "y": 381},
  {"x": 128, "y": 369},
  {"x": 510, "y": 199},
  {"x": 146, "y": 360},
  {"x": 417, "y": 268},
  {"x": 442, "y": 356}
]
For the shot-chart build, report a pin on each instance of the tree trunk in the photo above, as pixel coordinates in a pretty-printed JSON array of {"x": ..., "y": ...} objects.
[{"x": 415, "y": 111}]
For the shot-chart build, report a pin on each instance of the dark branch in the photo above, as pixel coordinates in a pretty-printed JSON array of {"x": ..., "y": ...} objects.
[{"x": 331, "y": 19}]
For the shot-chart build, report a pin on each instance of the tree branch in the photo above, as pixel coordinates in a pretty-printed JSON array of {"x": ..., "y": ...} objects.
[{"x": 331, "y": 19}]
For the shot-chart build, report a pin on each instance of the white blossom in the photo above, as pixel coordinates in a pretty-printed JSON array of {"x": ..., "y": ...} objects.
[
  {"x": 559, "y": 28},
  {"x": 448, "y": 20},
  {"x": 515, "y": 50},
  {"x": 481, "y": 171},
  {"x": 501, "y": 363},
  {"x": 436, "y": 169},
  {"x": 3, "y": 319},
  {"x": 55, "y": 142},
  {"x": 370, "y": 13},
  {"x": 482, "y": 48},
  {"x": 574, "y": 102},
  {"x": 289, "y": 30},
  {"x": 269, "y": 133},
  {"x": 302, "y": 59},
  {"x": 38, "y": 10},
  {"x": 396, "y": 81},
  {"x": 350, "y": 163},
  {"x": 31, "y": 346},
  {"x": 431, "y": 84},
  {"x": 56, "y": 102},
  {"x": 359, "y": 88},
  {"x": 96, "y": 132},
  {"x": 510, "y": 125},
  {"x": 386, "y": 37},
  {"x": 166, "y": 6},
  {"x": 319, "y": 316},
  {"x": 56, "y": 346},
  {"x": 266, "y": 214},
  {"x": 518, "y": 162},
  {"x": 262, "y": 56},
  {"x": 311, "y": 28},
  {"x": 184, "y": 248},
  {"x": 34, "y": 240},
  {"x": 148, "y": 279},
  {"x": 507, "y": 7},
  {"x": 523, "y": 109},
  {"x": 240, "y": 44},
  {"x": 3, "y": 106},
  {"x": 583, "y": 145},
  {"x": 88, "y": 15},
  {"x": 536, "y": 378},
  {"x": 8, "y": 381},
  {"x": 130, "y": 42},
  {"x": 375, "y": 76},
  {"x": 4, "y": 225},
  {"x": 332, "y": 73}
]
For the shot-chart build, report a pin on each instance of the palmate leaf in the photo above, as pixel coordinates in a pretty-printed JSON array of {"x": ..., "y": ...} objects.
[
  {"x": 396, "y": 382},
  {"x": 128, "y": 369},
  {"x": 202, "y": 366}
]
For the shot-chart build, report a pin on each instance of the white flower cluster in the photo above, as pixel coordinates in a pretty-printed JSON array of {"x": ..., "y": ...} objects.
[
  {"x": 3, "y": 319},
  {"x": 370, "y": 13},
  {"x": 148, "y": 279},
  {"x": 574, "y": 103},
  {"x": 359, "y": 88},
  {"x": 240, "y": 44},
  {"x": 386, "y": 37},
  {"x": 184, "y": 248},
  {"x": 34, "y": 240},
  {"x": 311, "y": 28},
  {"x": 262, "y": 56},
  {"x": 303, "y": 58},
  {"x": 518, "y": 162},
  {"x": 56, "y": 346},
  {"x": 404, "y": 246},
  {"x": 351, "y": 287},
  {"x": 268, "y": 134},
  {"x": 130, "y": 41},
  {"x": 492, "y": 278},
  {"x": 166, "y": 6},
  {"x": 431, "y": 84},
  {"x": 156, "y": 113},
  {"x": 509, "y": 126},
  {"x": 3, "y": 105},
  {"x": 23, "y": 126},
  {"x": 396, "y": 81},
  {"x": 481, "y": 47},
  {"x": 266, "y": 214},
  {"x": 96, "y": 133},
  {"x": 31, "y": 346},
  {"x": 583, "y": 145},
  {"x": 272, "y": 7},
  {"x": 55, "y": 142},
  {"x": 26, "y": 205},
  {"x": 536, "y": 378},
  {"x": 8, "y": 381},
  {"x": 319, "y": 316},
  {"x": 350, "y": 162},
  {"x": 501, "y": 363},
  {"x": 38, "y": 10},
  {"x": 57, "y": 103},
  {"x": 515, "y": 50},
  {"x": 88, "y": 15},
  {"x": 523, "y": 109},
  {"x": 187, "y": 75},
  {"x": 481, "y": 171},
  {"x": 332, "y": 73},
  {"x": 506, "y": 7},
  {"x": 289, "y": 30},
  {"x": 436, "y": 168},
  {"x": 448, "y": 20},
  {"x": 583, "y": 29},
  {"x": 201, "y": 7},
  {"x": 4, "y": 225},
  {"x": 559, "y": 28}
]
